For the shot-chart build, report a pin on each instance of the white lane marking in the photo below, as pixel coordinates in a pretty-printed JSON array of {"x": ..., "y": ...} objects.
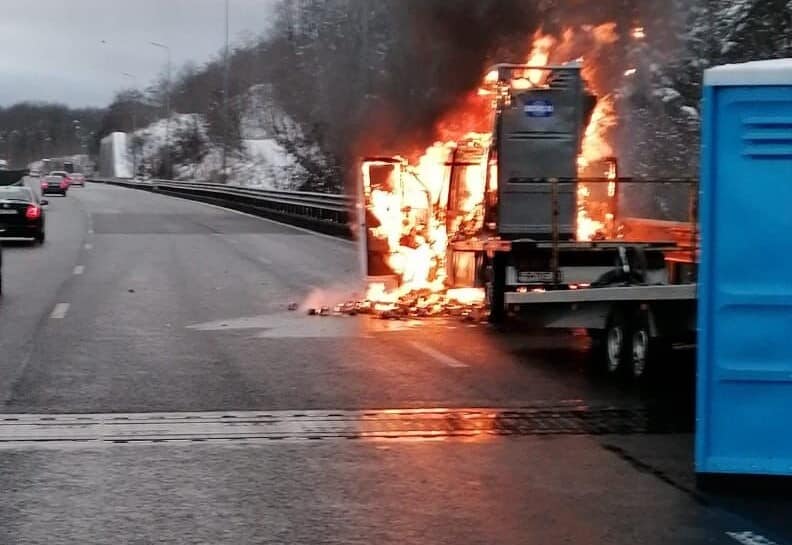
[
  {"x": 88, "y": 246},
  {"x": 59, "y": 312},
  {"x": 79, "y": 269},
  {"x": 437, "y": 355},
  {"x": 90, "y": 231},
  {"x": 750, "y": 538},
  {"x": 322, "y": 235}
]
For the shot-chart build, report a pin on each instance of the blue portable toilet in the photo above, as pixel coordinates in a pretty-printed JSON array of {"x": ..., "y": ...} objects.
[{"x": 744, "y": 389}]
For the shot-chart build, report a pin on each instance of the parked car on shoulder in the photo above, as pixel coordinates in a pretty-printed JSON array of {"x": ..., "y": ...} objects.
[
  {"x": 54, "y": 184},
  {"x": 21, "y": 213}
]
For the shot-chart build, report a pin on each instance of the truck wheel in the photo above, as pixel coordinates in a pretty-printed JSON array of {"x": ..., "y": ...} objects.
[
  {"x": 496, "y": 289},
  {"x": 617, "y": 343}
]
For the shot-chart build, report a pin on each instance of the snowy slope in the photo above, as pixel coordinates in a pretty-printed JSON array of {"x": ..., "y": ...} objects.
[{"x": 262, "y": 162}]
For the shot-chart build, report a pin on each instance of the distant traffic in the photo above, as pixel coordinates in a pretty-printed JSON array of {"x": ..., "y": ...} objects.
[{"x": 22, "y": 207}]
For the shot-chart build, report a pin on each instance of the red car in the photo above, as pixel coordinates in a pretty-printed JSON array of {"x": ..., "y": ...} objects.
[{"x": 54, "y": 184}]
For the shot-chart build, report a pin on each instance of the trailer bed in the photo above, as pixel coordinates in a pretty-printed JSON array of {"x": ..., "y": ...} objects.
[{"x": 678, "y": 292}]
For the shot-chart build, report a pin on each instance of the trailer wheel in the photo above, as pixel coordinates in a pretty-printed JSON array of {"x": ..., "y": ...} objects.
[
  {"x": 646, "y": 350},
  {"x": 617, "y": 343},
  {"x": 641, "y": 351}
]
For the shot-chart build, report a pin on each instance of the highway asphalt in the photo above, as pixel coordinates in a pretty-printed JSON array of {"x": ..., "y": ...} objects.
[{"x": 387, "y": 432}]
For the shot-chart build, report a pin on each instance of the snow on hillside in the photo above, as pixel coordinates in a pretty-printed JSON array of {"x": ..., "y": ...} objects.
[
  {"x": 261, "y": 161},
  {"x": 268, "y": 164}
]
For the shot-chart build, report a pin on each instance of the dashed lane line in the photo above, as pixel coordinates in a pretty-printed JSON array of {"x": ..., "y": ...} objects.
[
  {"x": 438, "y": 356},
  {"x": 79, "y": 269},
  {"x": 750, "y": 538},
  {"x": 59, "y": 312}
]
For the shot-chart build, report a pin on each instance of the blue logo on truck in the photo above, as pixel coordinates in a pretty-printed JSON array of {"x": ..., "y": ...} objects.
[{"x": 539, "y": 108}]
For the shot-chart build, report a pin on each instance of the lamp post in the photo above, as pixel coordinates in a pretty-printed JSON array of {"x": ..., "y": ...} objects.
[
  {"x": 226, "y": 75},
  {"x": 77, "y": 133},
  {"x": 134, "y": 124},
  {"x": 167, "y": 106}
]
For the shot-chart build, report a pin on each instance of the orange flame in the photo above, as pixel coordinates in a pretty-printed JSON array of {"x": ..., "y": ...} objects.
[{"x": 411, "y": 209}]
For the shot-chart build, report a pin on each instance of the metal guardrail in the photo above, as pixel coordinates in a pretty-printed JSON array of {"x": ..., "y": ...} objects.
[{"x": 326, "y": 213}]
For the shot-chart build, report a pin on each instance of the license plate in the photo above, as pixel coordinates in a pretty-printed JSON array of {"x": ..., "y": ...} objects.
[
  {"x": 7, "y": 212},
  {"x": 532, "y": 277}
]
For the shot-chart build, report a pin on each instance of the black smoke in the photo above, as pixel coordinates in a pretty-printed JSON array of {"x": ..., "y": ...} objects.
[{"x": 374, "y": 77}]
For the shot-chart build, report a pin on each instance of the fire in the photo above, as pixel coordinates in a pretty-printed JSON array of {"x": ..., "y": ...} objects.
[
  {"x": 409, "y": 206},
  {"x": 587, "y": 228},
  {"x": 605, "y": 34},
  {"x": 416, "y": 208},
  {"x": 466, "y": 296},
  {"x": 595, "y": 148},
  {"x": 402, "y": 204},
  {"x": 543, "y": 44},
  {"x": 595, "y": 140},
  {"x": 378, "y": 292}
]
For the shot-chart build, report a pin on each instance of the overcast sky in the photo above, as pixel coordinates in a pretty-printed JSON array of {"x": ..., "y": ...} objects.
[{"x": 52, "y": 49}]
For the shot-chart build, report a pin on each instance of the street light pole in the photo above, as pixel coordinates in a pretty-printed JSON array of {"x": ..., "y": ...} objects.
[
  {"x": 167, "y": 106},
  {"x": 225, "y": 97},
  {"x": 134, "y": 124}
]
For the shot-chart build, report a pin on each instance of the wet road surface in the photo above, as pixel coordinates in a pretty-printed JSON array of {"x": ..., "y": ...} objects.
[{"x": 277, "y": 427}]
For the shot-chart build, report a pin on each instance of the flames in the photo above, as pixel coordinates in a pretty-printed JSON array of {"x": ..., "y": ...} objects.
[
  {"x": 410, "y": 219},
  {"x": 412, "y": 224},
  {"x": 596, "y": 148}
]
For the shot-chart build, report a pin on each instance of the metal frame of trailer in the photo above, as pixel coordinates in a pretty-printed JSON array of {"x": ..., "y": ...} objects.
[
  {"x": 636, "y": 298},
  {"x": 632, "y": 327},
  {"x": 590, "y": 308},
  {"x": 619, "y": 294}
]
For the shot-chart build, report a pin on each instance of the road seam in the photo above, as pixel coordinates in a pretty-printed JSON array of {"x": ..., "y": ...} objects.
[
  {"x": 438, "y": 356},
  {"x": 59, "y": 312},
  {"x": 52, "y": 430}
]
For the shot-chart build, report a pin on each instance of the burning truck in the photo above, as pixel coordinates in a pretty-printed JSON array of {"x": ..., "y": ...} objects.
[
  {"x": 518, "y": 213},
  {"x": 433, "y": 229}
]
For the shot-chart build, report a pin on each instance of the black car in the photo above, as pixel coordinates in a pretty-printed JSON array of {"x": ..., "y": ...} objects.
[
  {"x": 21, "y": 213},
  {"x": 54, "y": 183}
]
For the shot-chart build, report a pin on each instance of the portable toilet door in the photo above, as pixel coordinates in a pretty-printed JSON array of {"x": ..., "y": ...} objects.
[{"x": 744, "y": 383}]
